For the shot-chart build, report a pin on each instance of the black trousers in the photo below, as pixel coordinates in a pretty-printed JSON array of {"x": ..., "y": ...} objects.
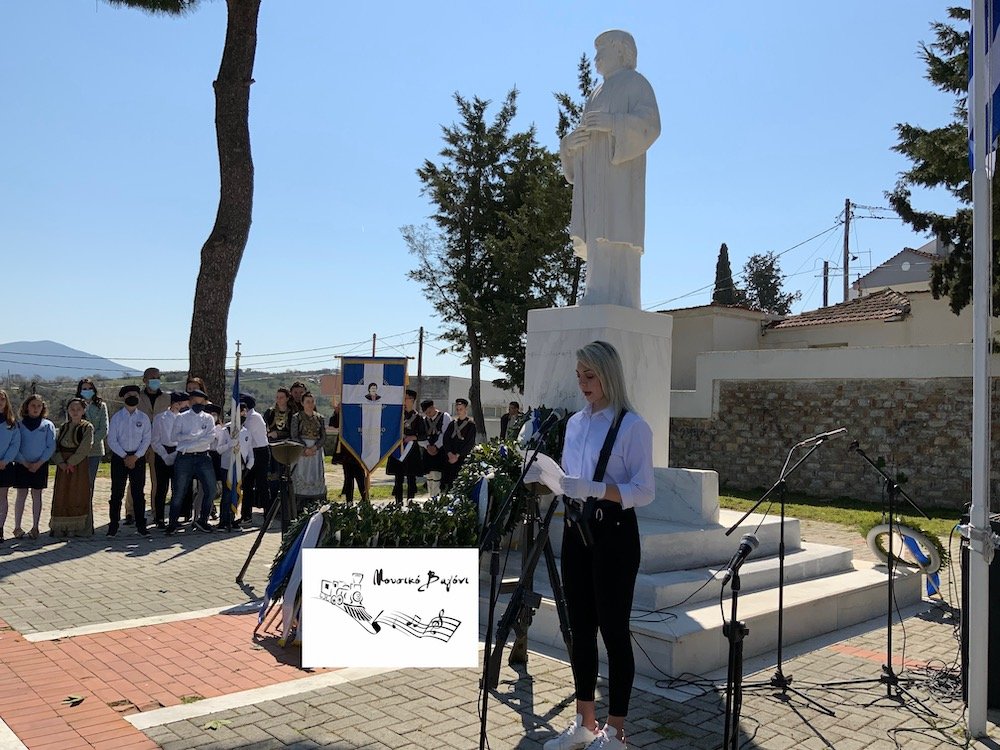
[
  {"x": 449, "y": 472},
  {"x": 354, "y": 473},
  {"x": 255, "y": 483},
  {"x": 136, "y": 478},
  {"x": 599, "y": 582},
  {"x": 164, "y": 476}
]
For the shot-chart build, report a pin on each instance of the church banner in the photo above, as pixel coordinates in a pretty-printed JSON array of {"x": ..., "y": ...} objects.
[{"x": 371, "y": 407}]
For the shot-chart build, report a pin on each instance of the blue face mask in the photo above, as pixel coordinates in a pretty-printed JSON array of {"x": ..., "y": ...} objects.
[
  {"x": 197, "y": 408},
  {"x": 154, "y": 384},
  {"x": 87, "y": 394}
]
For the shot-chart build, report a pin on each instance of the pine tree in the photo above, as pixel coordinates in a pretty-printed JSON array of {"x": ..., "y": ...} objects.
[
  {"x": 500, "y": 245},
  {"x": 725, "y": 289},
  {"x": 763, "y": 282},
  {"x": 940, "y": 160}
]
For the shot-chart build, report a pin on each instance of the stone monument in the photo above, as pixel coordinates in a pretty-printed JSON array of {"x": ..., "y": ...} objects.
[{"x": 605, "y": 160}]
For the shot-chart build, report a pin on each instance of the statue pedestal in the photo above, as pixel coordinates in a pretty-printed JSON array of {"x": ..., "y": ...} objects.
[{"x": 641, "y": 338}]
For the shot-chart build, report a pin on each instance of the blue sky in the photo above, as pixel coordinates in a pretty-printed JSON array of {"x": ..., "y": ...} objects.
[{"x": 773, "y": 113}]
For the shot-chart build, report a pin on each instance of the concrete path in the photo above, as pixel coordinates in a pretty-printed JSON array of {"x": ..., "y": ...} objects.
[{"x": 143, "y": 643}]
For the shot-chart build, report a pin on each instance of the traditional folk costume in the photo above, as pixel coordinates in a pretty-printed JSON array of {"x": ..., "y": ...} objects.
[
  {"x": 72, "y": 512},
  {"x": 435, "y": 427},
  {"x": 405, "y": 461},
  {"x": 309, "y": 474},
  {"x": 460, "y": 439}
]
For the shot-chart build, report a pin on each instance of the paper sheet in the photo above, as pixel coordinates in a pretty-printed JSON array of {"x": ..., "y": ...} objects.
[{"x": 546, "y": 471}]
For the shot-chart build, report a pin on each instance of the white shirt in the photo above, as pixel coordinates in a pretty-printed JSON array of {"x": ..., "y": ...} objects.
[
  {"x": 224, "y": 445},
  {"x": 129, "y": 434},
  {"x": 257, "y": 428},
  {"x": 630, "y": 465},
  {"x": 193, "y": 431},
  {"x": 163, "y": 426}
]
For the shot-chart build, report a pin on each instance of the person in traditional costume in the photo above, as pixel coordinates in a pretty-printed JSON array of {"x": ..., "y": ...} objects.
[
  {"x": 435, "y": 423},
  {"x": 309, "y": 475},
  {"x": 72, "y": 513},
  {"x": 97, "y": 415},
  {"x": 459, "y": 440},
  {"x": 405, "y": 462}
]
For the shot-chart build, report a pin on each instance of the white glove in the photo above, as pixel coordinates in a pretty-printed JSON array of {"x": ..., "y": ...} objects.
[
  {"x": 534, "y": 474},
  {"x": 581, "y": 488}
]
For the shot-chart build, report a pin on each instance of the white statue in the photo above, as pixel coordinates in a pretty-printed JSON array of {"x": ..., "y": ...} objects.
[{"x": 605, "y": 160}]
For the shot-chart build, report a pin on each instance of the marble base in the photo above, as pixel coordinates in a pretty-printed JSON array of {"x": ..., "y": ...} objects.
[
  {"x": 688, "y": 496},
  {"x": 642, "y": 338}
]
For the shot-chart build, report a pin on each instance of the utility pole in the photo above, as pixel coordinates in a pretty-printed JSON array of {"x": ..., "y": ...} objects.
[
  {"x": 373, "y": 341},
  {"x": 826, "y": 283},
  {"x": 847, "y": 250},
  {"x": 420, "y": 354}
]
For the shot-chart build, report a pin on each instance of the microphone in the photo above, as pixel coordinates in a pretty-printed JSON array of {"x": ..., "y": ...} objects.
[
  {"x": 822, "y": 437},
  {"x": 748, "y": 544},
  {"x": 549, "y": 423}
]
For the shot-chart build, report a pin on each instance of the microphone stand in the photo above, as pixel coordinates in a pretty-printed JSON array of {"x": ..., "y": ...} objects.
[
  {"x": 780, "y": 680},
  {"x": 489, "y": 542},
  {"x": 735, "y": 632},
  {"x": 892, "y": 490}
]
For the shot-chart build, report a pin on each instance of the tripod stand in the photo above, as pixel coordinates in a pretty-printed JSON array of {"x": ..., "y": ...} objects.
[
  {"x": 523, "y": 596},
  {"x": 524, "y": 601},
  {"x": 287, "y": 453}
]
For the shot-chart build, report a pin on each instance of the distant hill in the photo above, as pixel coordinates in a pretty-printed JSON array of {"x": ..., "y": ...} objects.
[{"x": 50, "y": 360}]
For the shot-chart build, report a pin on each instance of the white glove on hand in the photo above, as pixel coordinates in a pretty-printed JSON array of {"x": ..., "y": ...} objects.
[{"x": 581, "y": 488}]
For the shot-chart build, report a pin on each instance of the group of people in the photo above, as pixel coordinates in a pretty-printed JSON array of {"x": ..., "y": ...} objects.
[
  {"x": 178, "y": 439},
  {"x": 435, "y": 445},
  {"x": 179, "y": 445},
  {"x": 607, "y": 460}
]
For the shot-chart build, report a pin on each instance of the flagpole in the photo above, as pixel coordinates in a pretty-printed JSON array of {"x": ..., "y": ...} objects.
[
  {"x": 236, "y": 467},
  {"x": 978, "y": 646}
]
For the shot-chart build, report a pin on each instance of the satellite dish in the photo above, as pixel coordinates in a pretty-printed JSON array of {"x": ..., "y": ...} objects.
[{"x": 906, "y": 265}]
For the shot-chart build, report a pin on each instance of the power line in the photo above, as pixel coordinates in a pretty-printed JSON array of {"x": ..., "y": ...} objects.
[{"x": 740, "y": 275}]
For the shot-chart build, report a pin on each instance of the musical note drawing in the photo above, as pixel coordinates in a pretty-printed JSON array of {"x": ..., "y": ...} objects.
[{"x": 440, "y": 627}]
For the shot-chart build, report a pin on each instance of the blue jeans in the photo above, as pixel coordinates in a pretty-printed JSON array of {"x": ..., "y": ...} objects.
[{"x": 186, "y": 468}]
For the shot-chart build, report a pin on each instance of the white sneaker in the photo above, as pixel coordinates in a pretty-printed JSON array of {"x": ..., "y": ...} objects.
[
  {"x": 576, "y": 737},
  {"x": 606, "y": 739}
]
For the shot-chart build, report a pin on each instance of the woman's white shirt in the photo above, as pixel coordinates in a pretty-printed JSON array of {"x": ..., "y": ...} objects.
[{"x": 630, "y": 465}]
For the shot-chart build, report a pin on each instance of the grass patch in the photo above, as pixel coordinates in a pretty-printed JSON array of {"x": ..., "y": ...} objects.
[
  {"x": 191, "y": 698},
  {"x": 860, "y": 515}
]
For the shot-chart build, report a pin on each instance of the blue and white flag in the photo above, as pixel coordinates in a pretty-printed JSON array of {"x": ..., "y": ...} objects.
[
  {"x": 371, "y": 407},
  {"x": 991, "y": 49}
]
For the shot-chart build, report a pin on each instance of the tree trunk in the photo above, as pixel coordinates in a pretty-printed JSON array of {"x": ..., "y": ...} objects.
[
  {"x": 475, "y": 389},
  {"x": 223, "y": 250}
]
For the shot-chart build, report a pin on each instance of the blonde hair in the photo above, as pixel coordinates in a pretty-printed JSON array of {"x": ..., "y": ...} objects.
[{"x": 603, "y": 359}]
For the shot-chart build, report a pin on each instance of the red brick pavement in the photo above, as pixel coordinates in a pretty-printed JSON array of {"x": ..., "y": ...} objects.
[{"x": 127, "y": 671}]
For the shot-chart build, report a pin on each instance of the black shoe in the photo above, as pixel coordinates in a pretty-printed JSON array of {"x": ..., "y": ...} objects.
[
  {"x": 170, "y": 529},
  {"x": 128, "y": 521},
  {"x": 204, "y": 527},
  {"x": 161, "y": 524},
  {"x": 142, "y": 532},
  {"x": 112, "y": 530},
  {"x": 214, "y": 516}
]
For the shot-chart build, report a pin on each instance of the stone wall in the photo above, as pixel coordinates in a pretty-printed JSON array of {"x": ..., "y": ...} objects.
[{"x": 922, "y": 428}]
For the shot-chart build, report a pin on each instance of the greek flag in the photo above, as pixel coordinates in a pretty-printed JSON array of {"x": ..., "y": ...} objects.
[
  {"x": 991, "y": 49},
  {"x": 234, "y": 478},
  {"x": 371, "y": 407}
]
